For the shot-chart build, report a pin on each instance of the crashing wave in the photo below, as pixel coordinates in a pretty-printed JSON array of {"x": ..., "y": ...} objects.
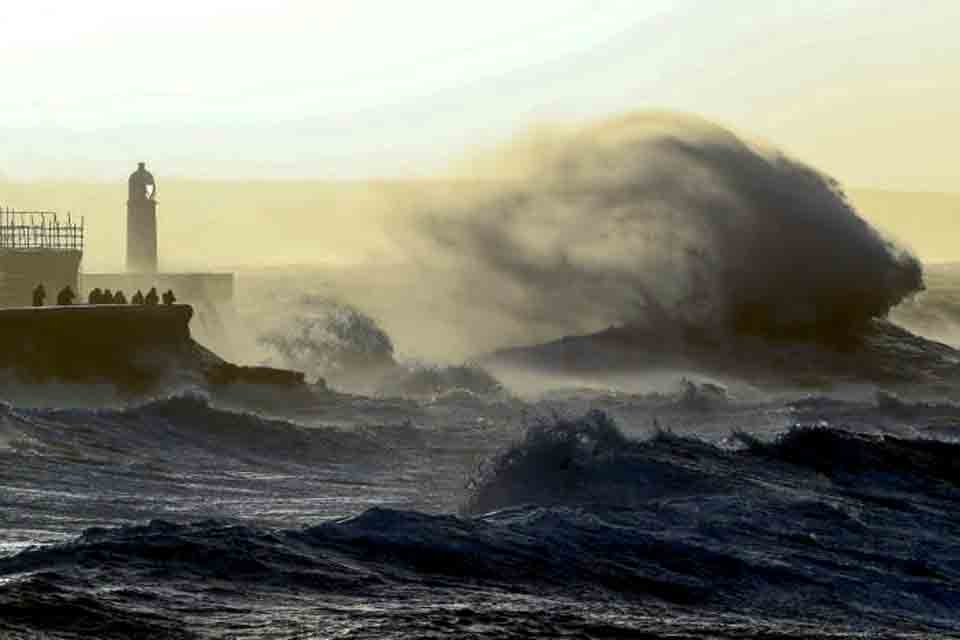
[
  {"x": 587, "y": 459},
  {"x": 662, "y": 221},
  {"x": 331, "y": 340}
]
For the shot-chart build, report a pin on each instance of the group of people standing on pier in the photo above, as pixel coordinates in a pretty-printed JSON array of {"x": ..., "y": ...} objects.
[{"x": 66, "y": 296}]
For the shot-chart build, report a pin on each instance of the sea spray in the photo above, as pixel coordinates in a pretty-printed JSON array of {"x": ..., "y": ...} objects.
[{"x": 659, "y": 220}]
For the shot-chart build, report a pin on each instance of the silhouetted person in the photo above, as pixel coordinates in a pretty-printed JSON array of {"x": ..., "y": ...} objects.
[
  {"x": 119, "y": 298},
  {"x": 169, "y": 298},
  {"x": 66, "y": 296},
  {"x": 39, "y": 295},
  {"x": 107, "y": 297},
  {"x": 137, "y": 297},
  {"x": 152, "y": 299},
  {"x": 94, "y": 296}
]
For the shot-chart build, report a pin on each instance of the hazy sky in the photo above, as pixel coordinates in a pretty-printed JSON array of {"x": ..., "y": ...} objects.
[{"x": 867, "y": 90}]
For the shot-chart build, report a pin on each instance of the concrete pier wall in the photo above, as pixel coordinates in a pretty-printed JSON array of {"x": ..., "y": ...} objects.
[
  {"x": 136, "y": 348},
  {"x": 21, "y": 270},
  {"x": 132, "y": 346}
]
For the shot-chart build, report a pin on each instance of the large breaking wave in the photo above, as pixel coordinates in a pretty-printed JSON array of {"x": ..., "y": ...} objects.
[{"x": 663, "y": 220}]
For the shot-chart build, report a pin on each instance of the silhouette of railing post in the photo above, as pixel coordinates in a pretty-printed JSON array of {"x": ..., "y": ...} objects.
[{"x": 26, "y": 230}]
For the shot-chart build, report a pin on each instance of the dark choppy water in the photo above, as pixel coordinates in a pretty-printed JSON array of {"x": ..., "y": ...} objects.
[{"x": 178, "y": 519}]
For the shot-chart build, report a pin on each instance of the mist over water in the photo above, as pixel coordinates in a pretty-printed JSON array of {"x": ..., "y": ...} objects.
[
  {"x": 659, "y": 220},
  {"x": 332, "y": 340},
  {"x": 326, "y": 338},
  {"x": 649, "y": 219}
]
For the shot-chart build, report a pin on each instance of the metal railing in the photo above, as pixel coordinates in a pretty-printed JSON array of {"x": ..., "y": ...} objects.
[{"x": 39, "y": 230}]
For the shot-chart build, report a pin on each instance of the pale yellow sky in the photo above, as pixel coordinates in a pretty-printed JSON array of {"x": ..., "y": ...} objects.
[{"x": 866, "y": 90}]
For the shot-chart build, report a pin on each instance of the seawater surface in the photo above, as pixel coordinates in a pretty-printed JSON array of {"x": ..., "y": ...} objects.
[{"x": 483, "y": 518}]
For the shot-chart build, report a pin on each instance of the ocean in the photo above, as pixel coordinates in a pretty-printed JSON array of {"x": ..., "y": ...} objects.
[{"x": 571, "y": 516}]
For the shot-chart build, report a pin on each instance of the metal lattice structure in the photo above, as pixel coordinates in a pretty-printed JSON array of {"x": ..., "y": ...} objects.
[{"x": 39, "y": 230}]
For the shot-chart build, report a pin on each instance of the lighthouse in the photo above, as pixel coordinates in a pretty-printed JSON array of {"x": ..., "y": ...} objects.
[{"x": 142, "y": 222}]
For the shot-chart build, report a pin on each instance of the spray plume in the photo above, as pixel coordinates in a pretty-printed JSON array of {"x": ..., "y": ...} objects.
[{"x": 662, "y": 220}]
